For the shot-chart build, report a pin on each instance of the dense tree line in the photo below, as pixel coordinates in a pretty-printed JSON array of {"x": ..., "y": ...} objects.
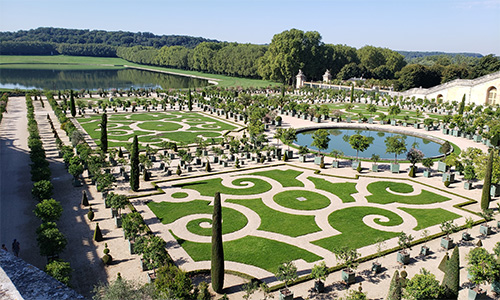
[{"x": 110, "y": 38}]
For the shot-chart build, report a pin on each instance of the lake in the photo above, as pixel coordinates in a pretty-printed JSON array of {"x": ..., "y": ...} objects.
[
  {"x": 57, "y": 79},
  {"x": 339, "y": 141}
]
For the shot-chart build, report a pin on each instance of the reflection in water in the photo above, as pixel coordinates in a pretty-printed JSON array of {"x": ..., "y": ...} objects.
[
  {"x": 94, "y": 79},
  {"x": 339, "y": 140}
]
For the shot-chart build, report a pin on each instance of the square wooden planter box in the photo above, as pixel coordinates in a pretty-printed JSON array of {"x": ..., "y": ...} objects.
[
  {"x": 466, "y": 236},
  {"x": 376, "y": 267},
  {"x": 302, "y": 158},
  {"x": 355, "y": 165},
  {"x": 394, "y": 168},
  {"x": 286, "y": 294},
  {"x": 485, "y": 230},
  {"x": 424, "y": 251},
  {"x": 335, "y": 164},
  {"x": 447, "y": 243},
  {"x": 403, "y": 257},
  {"x": 348, "y": 276},
  {"x": 427, "y": 173},
  {"x": 448, "y": 177},
  {"x": 374, "y": 168},
  {"x": 441, "y": 166},
  {"x": 318, "y": 160}
]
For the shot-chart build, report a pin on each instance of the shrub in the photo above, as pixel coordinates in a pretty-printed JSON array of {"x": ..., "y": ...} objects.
[
  {"x": 447, "y": 183},
  {"x": 208, "y": 168},
  {"x": 412, "y": 172},
  {"x": 42, "y": 189},
  {"x": 178, "y": 172},
  {"x": 90, "y": 214},
  {"x": 48, "y": 210},
  {"x": 359, "y": 168},
  {"x": 85, "y": 200},
  {"x": 60, "y": 270},
  {"x": 106, "y": 259},
  {"x": 97, "y": 233}
]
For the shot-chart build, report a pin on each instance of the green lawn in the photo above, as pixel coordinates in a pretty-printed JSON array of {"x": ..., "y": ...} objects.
[
  {"x": 355, "y": 233},
  {"x": 382, "y": 196},
  {"x": 264, "y": 253},
  {"x": 279, "y": 222},
  {"x": 210, "y": 186},
  {"x": 295, "y": 200},
  {"x": 430, "y": 217},
  {"x": 342, "y": 190},
  {"x": 179, "y": 195},
  {"x": 169, "y": 212},
  {"x": 287, "y": 178}
]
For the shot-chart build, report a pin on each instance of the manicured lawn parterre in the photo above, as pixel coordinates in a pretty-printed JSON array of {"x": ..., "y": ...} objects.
[
  {"x": 156, "y": 127},
  {"x": 266, "y": 246}
]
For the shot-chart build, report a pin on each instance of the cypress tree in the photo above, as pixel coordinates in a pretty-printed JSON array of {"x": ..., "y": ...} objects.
[
  {"x": 444, "y": 261},
  {"x": 190, "y": 100},
  {"x": 104, "y": 133},
  {"x": 217, "y": 270},
  {"x": 462, "y": 106},
  {"x": 72, "y": 103},
  {"x": 485, "y": 196},
  {"x": 120, "y": 152},
  {"x": 352, "y": 93},
  {"x": 97, "y": 233},
  {"x": 134, "y": 164},
  {"x": 451, "y": 279},
  {"x": 395, "y": 292}
]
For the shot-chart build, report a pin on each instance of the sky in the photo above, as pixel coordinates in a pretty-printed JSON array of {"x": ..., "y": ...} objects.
[{"x": 412, "y": 25}]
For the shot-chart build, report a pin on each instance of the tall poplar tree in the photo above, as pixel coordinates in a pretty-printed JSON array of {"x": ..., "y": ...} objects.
[
  {"x": 486, "y": 197},
  {"x": 461, "y": 108},
  {"x": 72, "y": 103},
  {"x": 104, "y": 133},
  {"x": 451, "y": 279},
  {"x": 217, "y": 270},
  {"x": 190, "y": 100},
  {"x": 134, "y": 164}
]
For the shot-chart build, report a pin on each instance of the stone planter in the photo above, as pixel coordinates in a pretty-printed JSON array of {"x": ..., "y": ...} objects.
[
  {"x": 427, "y": 173},
  {"x": 302, "y": 158},
  {"x": 441, "y": 166},
  {"x": 289, "y": 154},
  {"x": 424, "y": 251},
  {"x": 335, "y": 164},
  {"x": 131, "y": 247},
  {"x": 466, "y": 236},
  {"x": 374, "y": 168},
  {"x": 319, "y": 286},
  {"x": 485, "y": 230},
  {"x": 494, "y": 190},
  {"x": 467, "y": 185},
  {"x": 403, "y": 257},
  {"x": 355, "y": 165},
  {"x": 118, "y": 222},
  {"x": 285, "y": 294},
  {"x": 376, "y": 267},
  {"x": 476, "y": 293},
  {"x": 447, "y": 243},
  {"x": 394, "y": 168},
  {"x": 448, "y": 177},
  {"x": 318, "y": 160},
  {"x": 348, "y": 276}
]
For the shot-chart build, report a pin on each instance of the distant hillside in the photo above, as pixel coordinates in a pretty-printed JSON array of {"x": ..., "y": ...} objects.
[
  {"x": 100, "y": 37},
  {"x": 417, "y": 54}
]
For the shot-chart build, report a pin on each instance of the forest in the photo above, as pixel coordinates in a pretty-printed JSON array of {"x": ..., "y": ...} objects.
[{"x": 279, "y": 61}]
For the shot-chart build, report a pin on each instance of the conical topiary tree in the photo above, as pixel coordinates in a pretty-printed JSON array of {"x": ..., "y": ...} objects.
[
  {"x": 208, "y": 168},
  {"x": 97, "y": 233},
  {"x": 217, "y": 270},
  {"x": 451, "y": 279},
  {"x": 178, "y": 172},
  {"x": 485, "y": 196},
  {"x": 134, "y": 164},
  {"x": 85, "y": 200},
  {"x": 106, "y": 259},
  {"x": 395, "y": 292}
]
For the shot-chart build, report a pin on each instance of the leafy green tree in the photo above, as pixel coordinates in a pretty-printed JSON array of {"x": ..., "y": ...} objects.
[
  {"x": 125, "y": 290},
  {"x": 134, "y": 164},
  {"x": 414, "y": 156},
  {"x": 153, "y": 251},
  {"x": 75, "y": 167},
  {"x": 451, "y": 279},
  {"x": 60, "y": 270},
  {"x": 51, "y": 241},
  {"x": 286, "y": 272},
  {"x": 217, "y": 269},
  {"x": 104, "y": 133},
  {"x": 359, "y": 142},
  {"x": 173, "y": 282},
  {"x": 395, "y": 144},
  {"x": 72, "y": 103},
  {"x": 482, "y": 266},
  {"x": 321, "y": 138},
  {"x": 133, "y": 225},
  {"x": 42, "y": 189},
  {"x": 49, "y": 210},
  {"x": 319, "y": 271},
  {"x": 424, "y": 286},
  {"x": 415, "y": 75},
  {"x": 461, "y": 108}
]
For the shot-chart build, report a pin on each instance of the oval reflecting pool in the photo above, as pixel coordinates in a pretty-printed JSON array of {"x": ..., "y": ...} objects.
[{"x": 339, "y": 140}]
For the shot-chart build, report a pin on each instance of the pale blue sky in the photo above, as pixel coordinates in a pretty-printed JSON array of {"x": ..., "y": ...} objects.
[{"x": 424, "y": 25}]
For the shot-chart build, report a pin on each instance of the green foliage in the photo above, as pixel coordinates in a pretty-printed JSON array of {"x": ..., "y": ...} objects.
[
  {"x": 42, "y": 189},
  {"x": 72, "y": 104},
  {"x": 412, "y": 172},
  {"x": 153, "y": 250},
  {"x": 60, "y": 270},
  {"x": 395, "y": 290},
  {"x": 97, "y": 233},
  {"x": 354, "y": 295},
  {"x": 178, "y": 171},
  {"x": 395, "y": 144},
  {"x": 482, "y": 266},
  {"x": 414, "y": 156},
  {"x": 319, "y": 271},
  {"x": 486, "y": 196},
  {"x": 85, "y": 200},
  {"x": 90, "y": 214},
  {"x": 173, "y": 282},
  {"x": 125, "y": 290},
  {"x": 49, "y": 210},
  {"x": 359, "y": 142},
  {"x": 347, "y": 256},
  {"x": 204, "y": 293},
  {"x": 359, "y": 169},
  {"x": 208, "y": 168},
  {"x": 447, "y": 183},
  {"x": 217, "y": 266},
  {"x": 134, "y": 163},
  {"x": 287, "y": 272},
  {"x": 51, "y": 241},
  {"x": 451, "y": 279},
  {"x": 428, "y": 162},
  {"x": 321, "y": 138},
  {"x": 104, "y": 133},
  {"x": 444, "y": 260},
  {"x": 423, "y": 286},
  {"x": 133, "y": 225}
]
